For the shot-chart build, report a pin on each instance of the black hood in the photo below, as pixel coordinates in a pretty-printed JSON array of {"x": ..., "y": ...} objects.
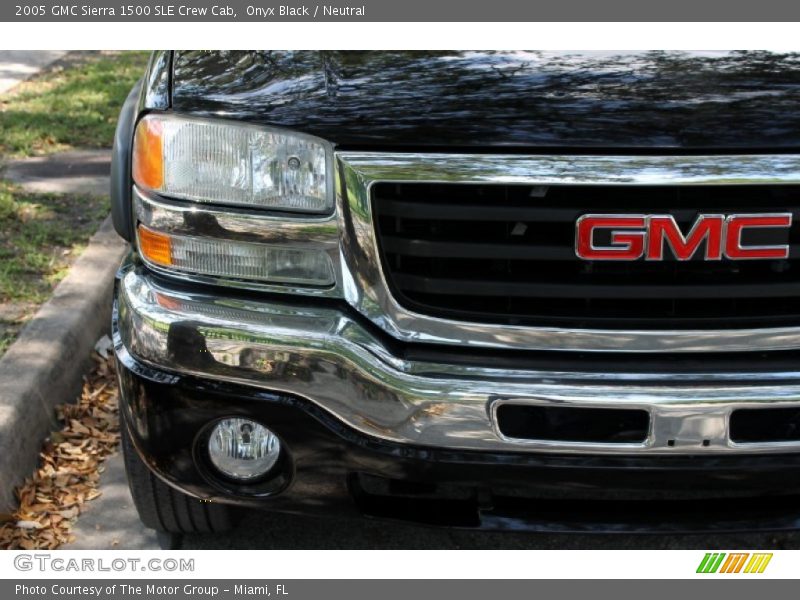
[{"x": 510, "y": 99}]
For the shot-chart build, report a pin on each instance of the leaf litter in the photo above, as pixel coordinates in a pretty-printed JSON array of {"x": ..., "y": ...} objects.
[{"x": 71, "y": 462}]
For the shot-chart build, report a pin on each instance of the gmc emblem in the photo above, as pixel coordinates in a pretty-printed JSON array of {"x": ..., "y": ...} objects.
[{"x": 635, "y": 236}]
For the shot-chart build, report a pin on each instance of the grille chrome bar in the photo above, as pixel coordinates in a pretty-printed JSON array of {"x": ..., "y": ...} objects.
[
  {"x": 367, "y": 288},
  {"x": 751, "y": 169}
]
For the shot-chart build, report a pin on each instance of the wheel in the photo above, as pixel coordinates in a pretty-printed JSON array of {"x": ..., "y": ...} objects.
[{"x": 165, "y": 509}]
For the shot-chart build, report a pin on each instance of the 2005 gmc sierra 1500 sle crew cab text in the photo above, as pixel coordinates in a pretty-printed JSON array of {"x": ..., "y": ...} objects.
[{"x": 500, "y": 290}]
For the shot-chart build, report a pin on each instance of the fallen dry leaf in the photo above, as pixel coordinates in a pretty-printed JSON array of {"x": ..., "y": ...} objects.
[{"x": 51, "y": 500}]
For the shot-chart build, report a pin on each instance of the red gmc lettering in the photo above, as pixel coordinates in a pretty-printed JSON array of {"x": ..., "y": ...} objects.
[
  {"x": 664, "y": 229},
  {"x": 636, "y": 236},
  {"x": 737, "y": 223},
  {"x": 626, "y": 245}
]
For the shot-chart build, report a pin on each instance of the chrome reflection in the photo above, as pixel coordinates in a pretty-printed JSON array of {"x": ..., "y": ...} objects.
[
  {"x": 754, "y": 169},
  {"x": 368, "y": 291},
  {"x": 331, "y": 360}
]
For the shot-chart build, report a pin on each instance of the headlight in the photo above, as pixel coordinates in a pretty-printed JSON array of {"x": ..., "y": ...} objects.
[
  {"x": 229, "y": 163},
  {"x": 187, "y": 172}
]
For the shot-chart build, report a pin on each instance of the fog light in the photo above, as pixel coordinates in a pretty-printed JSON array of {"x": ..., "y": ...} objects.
[{"x": 242, "y": 449}]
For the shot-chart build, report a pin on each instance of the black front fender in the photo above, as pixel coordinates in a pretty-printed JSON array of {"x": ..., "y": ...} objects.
[{"x": 121, "y": 165}]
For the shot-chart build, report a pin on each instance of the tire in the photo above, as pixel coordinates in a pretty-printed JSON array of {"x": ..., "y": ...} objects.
[{"x": 165, "y": 509}]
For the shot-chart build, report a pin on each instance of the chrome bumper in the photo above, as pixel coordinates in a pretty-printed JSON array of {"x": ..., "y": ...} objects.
[{"x": 330, "y": 359}]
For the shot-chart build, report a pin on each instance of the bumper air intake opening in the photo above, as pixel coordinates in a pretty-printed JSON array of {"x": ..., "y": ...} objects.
[
  {"x": 562, "y": 424},
  {"x": 755, "y": 425}
]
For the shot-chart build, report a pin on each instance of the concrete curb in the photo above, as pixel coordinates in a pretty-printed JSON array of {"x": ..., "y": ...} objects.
[{"x": 45, "y": 365}]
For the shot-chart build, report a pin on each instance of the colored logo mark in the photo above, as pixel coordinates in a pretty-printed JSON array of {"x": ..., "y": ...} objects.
[{"x": 735, "y": 562}]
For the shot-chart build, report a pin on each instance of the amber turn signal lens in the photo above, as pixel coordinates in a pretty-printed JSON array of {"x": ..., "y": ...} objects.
[
  {"x": 156, "y": 247},
  {"x": 148, "y": 160}
]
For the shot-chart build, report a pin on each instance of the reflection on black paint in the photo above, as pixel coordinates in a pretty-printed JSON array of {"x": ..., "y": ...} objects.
[{"x": 524, "y": 99}]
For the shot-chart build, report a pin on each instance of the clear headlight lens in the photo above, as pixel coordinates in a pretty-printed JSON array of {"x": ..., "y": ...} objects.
[
  {"x": 224, "y": 162},
  {"x": 240, "y": 260}
]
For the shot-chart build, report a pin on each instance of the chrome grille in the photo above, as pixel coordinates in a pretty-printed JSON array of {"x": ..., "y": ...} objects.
[{"x": 369, "y": 288}]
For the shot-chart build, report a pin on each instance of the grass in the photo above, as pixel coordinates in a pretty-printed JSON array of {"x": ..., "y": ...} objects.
[
  {"x": 74, "y": 104},
  {"x": 6, "y": 338},
  {"x": 39, "y": 235}
]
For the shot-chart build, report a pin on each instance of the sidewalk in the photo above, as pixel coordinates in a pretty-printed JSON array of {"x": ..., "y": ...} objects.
[
  {"x": 45, "y": 363},
  {"x": 75, "y": 172},
  {"x": 17, "y": 65}
]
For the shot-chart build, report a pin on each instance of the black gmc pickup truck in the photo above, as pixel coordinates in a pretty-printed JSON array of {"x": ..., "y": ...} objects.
[{"x": 504, "y": 290}]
